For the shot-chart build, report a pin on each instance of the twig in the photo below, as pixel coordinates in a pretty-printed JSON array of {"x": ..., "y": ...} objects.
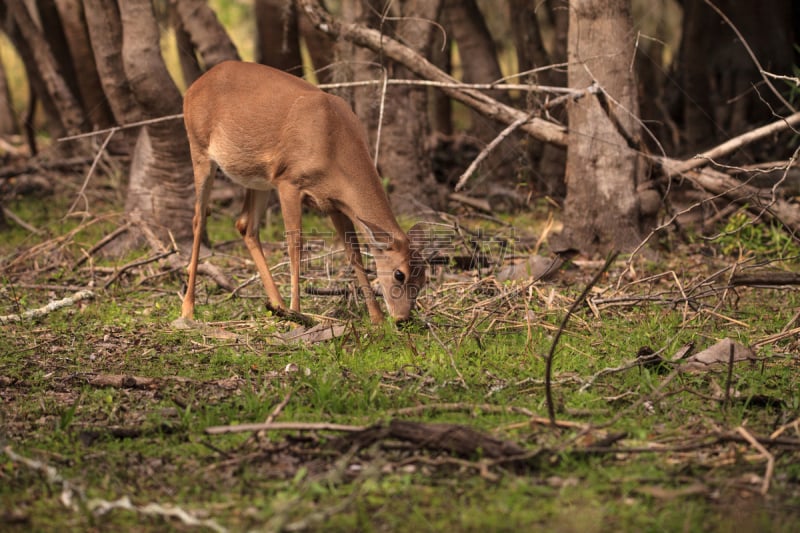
[
  {"x": 379, "y": 129},
  {"x": 483, "y": 407},
  {"x": 19, "y": 222},
  {"x": 137, "y": 263},
  {"x": 764, "y": 453},
  {"x": 548, "y": 368},
  {"x": 82, "y": 191},
  {"x": 100, "y": 507},
  {"x": 102, "y": 243},
  {"x": 49, "y": 308},
  {"x": 284, "y": 426},
  {"x": 70, "y": 493},
  {"x": 567, "y": 91},
  {"x": 727, "y": 399},
  {"x": 489, "y": 147},
  {"x": 777, "y": 337},
  {"x": 123, "y": 127}
]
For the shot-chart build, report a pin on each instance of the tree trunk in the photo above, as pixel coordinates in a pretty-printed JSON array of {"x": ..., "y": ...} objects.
[
  {"x": 405, "y": 159},
  {"x": 208, "y": 36},
  {"x": 320, "y": 49},
  {"x": 354, "y": 63},
  {"x": 721, "y": 89},
  {"x": 601, "y": 211},
  {"x": 278, "y": 36},
  {"x": 43, "y": 72},
  {"x": 479, "y": 63},
  {"x": 8, "y": 120},
  {"x": 161, "y": 180},
  {"x": 546, "y": 161},
  {"x": 187, "y": 54},
  {"x": 82, "y": 64},
  {"x": 105, "y": 34}
]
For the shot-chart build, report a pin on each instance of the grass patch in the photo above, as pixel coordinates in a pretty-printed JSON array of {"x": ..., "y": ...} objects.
[{"x": 640, "y": 447}]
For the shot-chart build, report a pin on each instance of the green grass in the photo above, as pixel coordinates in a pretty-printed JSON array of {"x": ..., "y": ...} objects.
[{"x": 148, "y": 443}]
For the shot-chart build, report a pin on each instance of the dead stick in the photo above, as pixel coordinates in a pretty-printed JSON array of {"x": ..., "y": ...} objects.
[
  {"x": 101, "y": 243},
  {"x": 548, "y": 368},
  {"x": 508, "y": 130},
  {"x": 49, "y": 308},
  {"x": 764, "y": 453},
  {"x": 284, "y": 426}
]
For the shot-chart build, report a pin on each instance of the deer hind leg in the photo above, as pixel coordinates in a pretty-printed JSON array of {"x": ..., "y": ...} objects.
[
  {"x": 204, "y": 171},
  {"x": 347, "y": 232},
  {"x": 255, "y": 202},
  {"x": 291, "y": 208}
]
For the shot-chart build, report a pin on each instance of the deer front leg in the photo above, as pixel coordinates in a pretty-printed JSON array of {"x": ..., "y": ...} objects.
[
  {"x": 347, "y": 232},
  {"x": 291, "y": 208},
  {"x": 204, "y": 171},
  {"x": 255, "y": 203}
]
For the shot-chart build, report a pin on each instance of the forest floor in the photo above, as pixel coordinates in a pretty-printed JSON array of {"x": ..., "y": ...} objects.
[{"x": 113, "y": 419}]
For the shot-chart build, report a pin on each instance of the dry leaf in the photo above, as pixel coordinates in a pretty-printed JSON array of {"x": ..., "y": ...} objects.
[{"x": 718, "y": 354}]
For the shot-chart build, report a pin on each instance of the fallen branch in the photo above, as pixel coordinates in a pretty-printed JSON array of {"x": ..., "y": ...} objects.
[
  {"x": 764, "y": 453},
  {"x": 49, "y": 308},
  {"x": 283, "y": 426},
  {"x": 731, "y": 145},
  {"x": 100, "y": 507},
  {"x": 394, "y": 50},
  {"x": 488, "y": 149},
  {"x": 766, "y": 278}
]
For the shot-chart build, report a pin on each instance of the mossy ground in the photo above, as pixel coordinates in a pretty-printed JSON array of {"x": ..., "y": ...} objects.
[{"x": 648, "y": 448}]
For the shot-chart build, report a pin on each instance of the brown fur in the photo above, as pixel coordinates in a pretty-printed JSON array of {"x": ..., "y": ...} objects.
[{"x": 268, "y": 129}]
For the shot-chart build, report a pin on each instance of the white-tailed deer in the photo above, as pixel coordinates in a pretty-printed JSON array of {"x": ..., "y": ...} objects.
[{"x": 267, "y": 129}]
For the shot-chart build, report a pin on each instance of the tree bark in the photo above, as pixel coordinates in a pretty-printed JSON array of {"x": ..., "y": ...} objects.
[
  {"x": 601, "y": 211},
  {"x": 8, "y": 120},
  {"x": 82, "y": 65},
  {"x": 278, "y": 35},
  {"x": 44, "y": 72},
  {"x": 405, "y": 158},
  {"x": 546, "y": 161},
  {"x": 208, "y": 36},
  {"x": 105, "y": 35},
  {"x": 721, "y": 88},
  {"x": 161, "y": 179},
  {"x": 187, "y": 54}
]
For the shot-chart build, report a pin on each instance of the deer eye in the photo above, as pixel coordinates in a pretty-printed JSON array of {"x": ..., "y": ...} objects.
[{"x": 399, "y": 276}]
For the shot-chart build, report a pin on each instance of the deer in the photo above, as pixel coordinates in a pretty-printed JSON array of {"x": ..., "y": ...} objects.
[{"x": 267, "y": 129}]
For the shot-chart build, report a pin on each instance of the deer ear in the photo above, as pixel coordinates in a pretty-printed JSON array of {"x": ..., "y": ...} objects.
[{"x": 376, "y": 237}]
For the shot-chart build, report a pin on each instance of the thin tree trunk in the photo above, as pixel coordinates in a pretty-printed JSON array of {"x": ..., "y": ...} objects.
[
  {"x": 161, "y": 180},
  {"x": 208, "y": 36},
  {"x": 81, "y": 59},
  {"x": 320, "y": 47},
  {"x": 479, "y": 62},
  {"x": 405, "y": 159},
  {"x": 601, "y": 212},
  {"x": 105, "y": 34},
  {"x": 187, "y": 55},
  {"x": 546, "y": 161},
  {"x": 48, "y": 81},
  {"x": 278, "y": 35},
  {"x": 8, "y": 120}
]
